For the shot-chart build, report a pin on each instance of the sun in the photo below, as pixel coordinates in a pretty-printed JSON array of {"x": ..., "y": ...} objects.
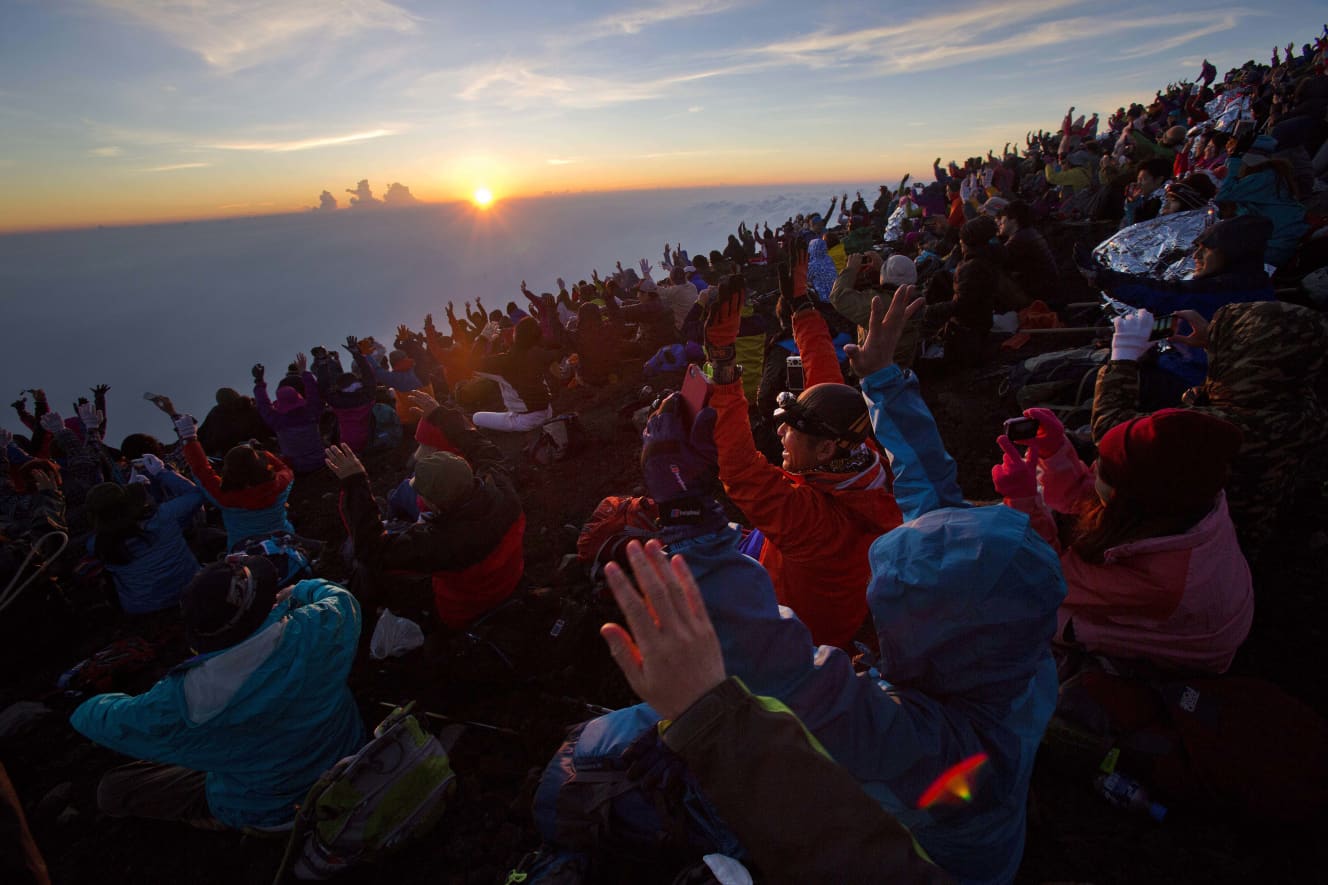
[{"x": 483, "y": 197}]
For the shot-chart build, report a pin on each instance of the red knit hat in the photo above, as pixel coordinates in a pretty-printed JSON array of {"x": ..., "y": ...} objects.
[
  {"x": 432, "y": 438},
  {"x": 1173, "y": 461}
]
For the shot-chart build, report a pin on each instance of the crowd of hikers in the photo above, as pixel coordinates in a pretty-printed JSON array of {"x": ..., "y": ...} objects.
[{"x": 866, "y": 661}]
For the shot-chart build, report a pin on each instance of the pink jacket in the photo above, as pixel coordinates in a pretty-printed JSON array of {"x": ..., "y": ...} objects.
[{"x": 1183, "y": 601}]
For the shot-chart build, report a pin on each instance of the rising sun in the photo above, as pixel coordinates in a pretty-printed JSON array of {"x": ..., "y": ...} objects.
[{"x": 482, "y": 197}]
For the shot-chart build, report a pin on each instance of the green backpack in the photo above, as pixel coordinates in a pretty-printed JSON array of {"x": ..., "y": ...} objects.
[{"x": 369, "y": 804}]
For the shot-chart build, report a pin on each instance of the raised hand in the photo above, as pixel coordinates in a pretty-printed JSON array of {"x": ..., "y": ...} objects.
[
  {"x": 644, "y": 264},
  {"x": 562, "y": 286},
  {"x": 186, "y": 427},
  {"x": 671, "y": 656},
  {"x": 152, "y": 464},
  {"x": 89, "y": 416},
  {"x": 101, "y": 390},
  {"x": 884, "y": 330},
  {"x": 341, "y": 460},
  {"x": 257, "y": 371},
  {"x": 301, "y": 362},
  {"x": 52, "y": 423},
  {"x": 421, "y": 402}
]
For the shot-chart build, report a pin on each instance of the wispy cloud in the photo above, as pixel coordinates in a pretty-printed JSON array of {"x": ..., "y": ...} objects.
[
  {"x": 305, "y": 144},
  {"x": 518, "y": 87},
  {"x": 176, "y": 167},
  {"x": 634, "y": 21},
  {"x": 562, "y": 161},
  {"x": 107, "y": 151},
  {"x": 235, "y": 34}
]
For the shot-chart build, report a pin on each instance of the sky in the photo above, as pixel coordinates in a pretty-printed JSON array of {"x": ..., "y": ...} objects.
[{"x": 132, "y": 111}]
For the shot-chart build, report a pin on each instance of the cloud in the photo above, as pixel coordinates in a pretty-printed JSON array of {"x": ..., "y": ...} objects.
[
  {"x": 326, "y": 202},
  {"x": 176, "y": 167},
  {"x": 562, "y": 161},
  {"x": 306, "y": 144},
  {"x": 634, "y": 21},
  {"x": 518, "y": 88},
  {"x": 108, "y": 151},
  {"x": 399, "y": 195},
  {"x": 235, "y": 34},
  {"x": 362, "y": 196}
]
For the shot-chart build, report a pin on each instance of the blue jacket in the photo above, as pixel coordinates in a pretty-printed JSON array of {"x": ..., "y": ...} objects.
[
  {"x": 263, "y": 718},
  {"x": 1261, "y": 193},
  {"x": 964, "y": 601},
  {"x": 161, "y": 565}
]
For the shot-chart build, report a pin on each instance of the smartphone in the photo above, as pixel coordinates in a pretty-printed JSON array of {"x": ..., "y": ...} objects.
[
  {"x": 793, "y": 382},
  {"x": 1163, "y": 327},
  {"x": 696, "y": 389},
  {"x": 1021, "y": 430}
]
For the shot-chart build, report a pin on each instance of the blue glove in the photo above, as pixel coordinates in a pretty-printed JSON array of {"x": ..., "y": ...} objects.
[{"x": 680, "y": 467}]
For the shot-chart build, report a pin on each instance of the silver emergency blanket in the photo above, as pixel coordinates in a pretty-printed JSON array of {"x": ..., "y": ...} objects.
[
  {"x": 1161, "y": 247},
  {"x": 894, "y": 227},
  {"x": 1228, "y": 109}
]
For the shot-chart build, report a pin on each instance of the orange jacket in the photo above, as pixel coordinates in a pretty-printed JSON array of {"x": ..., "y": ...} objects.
[{"x": 817, "y": 525}]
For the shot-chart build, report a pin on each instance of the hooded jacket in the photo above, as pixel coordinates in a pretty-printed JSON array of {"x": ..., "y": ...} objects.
[
  {"x": 254, "y": 512},
  {"x": 1183, "y": 601},
  {"x": 263, "y": 718},
  {"x": 161, "y": 564},
  {"x": 230, "y": 424},
  {"x": 402, "y": 379},
  {"x": 817, "y": 525},
  {"x": 297, "y": 431},
  {"x": 821, "y": 271},
  {"x": 521, "y": 371},
  {"x": 1263, "y": 359},
  {"x": 354, "y": 408},
  {"x": 964, "y": 602},
  {"x": 472, "y": 553},
  {"x": 1261, "y": 193}
]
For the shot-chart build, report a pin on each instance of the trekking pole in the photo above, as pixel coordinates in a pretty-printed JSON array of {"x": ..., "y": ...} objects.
[{"x": 441, "y": 718}]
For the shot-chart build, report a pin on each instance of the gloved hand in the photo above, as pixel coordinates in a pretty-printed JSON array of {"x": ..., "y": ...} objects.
[
  {"x": 793, "y": 278},
  {"x": 89, "y": 416},
  {"x": 1131, "y": 338},
  {"x": 52, "y": 423},
  {"x": 186, "y": 427},
  {"x": 1051, "y": 432},
  {"x": 722, "y": 318},
  {"x": 1016, "y": 476},
  {"x": 257, "y": 372},
  {"x": 678, "y": 462},
  {"x": 152, "y": 464},
  {"x": 136, "y": 478}
]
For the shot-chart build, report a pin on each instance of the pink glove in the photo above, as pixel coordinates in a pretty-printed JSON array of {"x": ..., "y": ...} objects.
[
  {"x": 1016, "y": 476},
  {"x": 1051, "y": 432}
]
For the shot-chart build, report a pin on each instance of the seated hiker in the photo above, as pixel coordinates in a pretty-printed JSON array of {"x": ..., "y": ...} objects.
[
  {"x": 351, "y": 397},
  {"x": 964, "y": 321},
  {"x": 236, "y": 736},
  {"x": 819, "y": 512},
  {"x": 1264, "y": 359},
  {"x": 1258, "y": 184},
  {"x": 852, "y": 296},
  {"x": 402, "y": 379},
  {"x": 469, "y": 539},
  {"x": 293, "y": 417},
  {"x": 251, "y": 489},
  {"x": 597, "y": 344},
  {"x": 1152, "y": 568},
  {"x": 141, "y": 544},
  {"x": 1028, "y": 258},
  {"x": 232, "y": 421},
  {"x": 964, "y": 603},
  {"x": 733, "y": 743},
  {"x": 522, "y": 377},
  {"x": 655, "y": 325},
  {"x": 442, "y": 423}
]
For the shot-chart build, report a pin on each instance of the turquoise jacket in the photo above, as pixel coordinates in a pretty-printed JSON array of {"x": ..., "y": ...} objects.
[
  {"x": 964, "y": 601},
  {"x": 263, "y": 718},
  {"x": 1262, "y": 193}
]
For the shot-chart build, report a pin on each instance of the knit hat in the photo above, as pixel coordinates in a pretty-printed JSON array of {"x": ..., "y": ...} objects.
[
  {"x": 829, "y": 410},
  {"x": 994, "y": 206},
  {"x": 899, "y": 270},
  {"x": 441, "y": 478},
  {"x": 227, "y": 601},
  {"x": 288, "y": 400},
  {"x": 1173, "y": 461}
]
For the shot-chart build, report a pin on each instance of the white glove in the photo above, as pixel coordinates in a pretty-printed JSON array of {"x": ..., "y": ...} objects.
[
  {"x": 89, "y": 416},
  {"x": 1131, "y": 338},
  {"x": 186, "y": 427},
  {"x": 137, "y": 478},
  {"x": 152, "y": 464},
  {"x": 52, "y": 423}
]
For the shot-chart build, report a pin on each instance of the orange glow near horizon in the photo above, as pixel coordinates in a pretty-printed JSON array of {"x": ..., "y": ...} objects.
[{"x": 483, "y": 197}]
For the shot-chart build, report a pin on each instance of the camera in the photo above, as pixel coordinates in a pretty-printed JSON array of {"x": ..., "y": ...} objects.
[
  {"x": 793, "y": 374},
  {"x": 1021, "y": 429}
]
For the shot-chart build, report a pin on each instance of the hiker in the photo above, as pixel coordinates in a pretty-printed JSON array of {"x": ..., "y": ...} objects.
[
  {"x": 964, "y": 605},
  {"x": 521, "y": 374},
  {"x": 351, "y": 398},
  {"x": 31, "y": 503},
  {"x": 671, "y": 658},
  {"x": 233, "y": 420},
  {"x": 815, "y": 515},
  {"x": 1152, "y": 568},
  {"x": 236, "y": 735},
  {"x": 853, "y": 300},
  {"x": 293, "y": 417},
  {"x": 1260, "y": 184},
  {"x": 963, "y": 322},
  {"x": 469, "y": 538},
  {"x": 141, "y": 543},
  {"x": 1028, "y": 259},
  {"x": 1263, "y": 361}
]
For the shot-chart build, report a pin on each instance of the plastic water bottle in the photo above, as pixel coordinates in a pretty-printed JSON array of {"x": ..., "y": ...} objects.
[{"x": 1125, "y": 792}]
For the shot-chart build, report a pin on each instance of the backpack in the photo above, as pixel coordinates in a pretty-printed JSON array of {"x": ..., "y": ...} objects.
[
  {"x": 284, "y": 552},
  {"x": 1061, "y": 381},
  {"x": 616, "y": 521},
  {"x": 367, "y": 805},
  {"x": 558, "y": 437},
  {"x": 387, "y": 431}
]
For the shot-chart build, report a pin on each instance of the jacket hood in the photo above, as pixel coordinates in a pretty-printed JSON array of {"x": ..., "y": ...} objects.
[
  {"x": 1260, "y": 351},
  {"x": 1241, "y": 240},
  {"x": 964, "y": 602}
]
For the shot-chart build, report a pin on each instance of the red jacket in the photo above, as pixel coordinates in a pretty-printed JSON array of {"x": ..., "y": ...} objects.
[
  {"x": 817, "y": 526},
  {"x": 956, "y": 216}
]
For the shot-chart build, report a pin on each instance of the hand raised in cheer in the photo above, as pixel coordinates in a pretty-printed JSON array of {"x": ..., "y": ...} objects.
[
  {"x": 669, "y": 650},
  {"x": 884, "y": 330},
  {"x": 421, "y": 403},
  {"x": 341, "y": 460}
]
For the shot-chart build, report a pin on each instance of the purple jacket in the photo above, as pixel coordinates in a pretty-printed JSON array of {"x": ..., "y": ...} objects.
[{"x": 297, "y": 431}]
